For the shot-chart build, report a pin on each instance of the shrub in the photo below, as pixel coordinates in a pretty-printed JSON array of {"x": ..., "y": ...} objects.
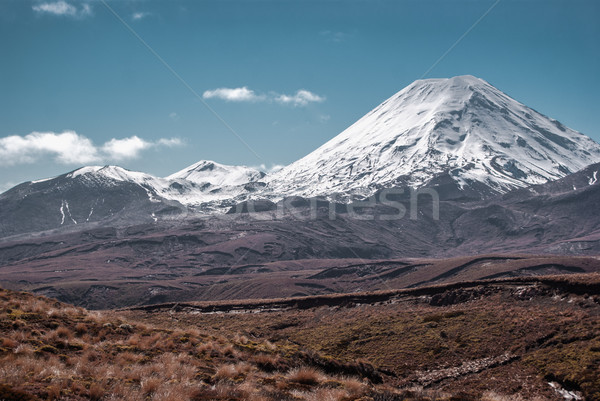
[
  {"x": 305, "y": 375},
  {"x": 150, "y": 385},
  {"x": 81, "y": 329},
  {"x": 232, "y": 372},
  {"x": 63, "y": 332},
  {"x": 354, "y": 387},
  {"x": 267, "y": 363}
]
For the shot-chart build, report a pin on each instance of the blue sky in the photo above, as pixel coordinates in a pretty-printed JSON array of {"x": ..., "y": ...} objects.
[{"x": 78, "y": 87}]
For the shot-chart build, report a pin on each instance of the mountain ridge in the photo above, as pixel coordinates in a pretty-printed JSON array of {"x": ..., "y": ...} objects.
[
  {"x": 460, "y": 136},
  {"x": 460, "y": 126}
]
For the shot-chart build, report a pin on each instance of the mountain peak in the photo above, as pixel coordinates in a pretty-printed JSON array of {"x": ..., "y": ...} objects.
[
  {"x": 461, "y": 126},
  {"x": 111, "y": 173},
  {"x": 107, "y": 169},
  {"x": 207, "y": 171},
  {"x": 458, "y": 81},
  {"x": 445, "y": 93}
]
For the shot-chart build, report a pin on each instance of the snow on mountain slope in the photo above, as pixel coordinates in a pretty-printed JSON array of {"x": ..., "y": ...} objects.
[
  {"x": 201, "y": 183},
  {"x": 112, "y": 175},
  {"x": 113, "y": 194},
  {"x": 217, "y": 174},
  {"x": 461, "y": 134},
  {"x": 87, "y": 195},
  {"x": 208, "y": 183},
  {"x": 462, "y": 126}
]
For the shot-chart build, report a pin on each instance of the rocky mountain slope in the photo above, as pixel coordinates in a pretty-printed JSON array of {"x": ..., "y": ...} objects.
[
  {"x": 305, "y": 251},
  {"x": 85, "y": 197},
  {"x": 97, "y": 195}
]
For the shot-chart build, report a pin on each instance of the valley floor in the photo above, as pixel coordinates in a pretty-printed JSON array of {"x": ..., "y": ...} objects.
[
  {"x": 517, "y": 337},
  {"x": 507, "y": 339}
]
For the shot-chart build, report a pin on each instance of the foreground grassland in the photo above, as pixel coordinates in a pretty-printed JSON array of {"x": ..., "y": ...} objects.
[
  {"x": 512, "y": 337},
  {"x": 504, "y": 340},
  {"x": 54, "y": 351}
]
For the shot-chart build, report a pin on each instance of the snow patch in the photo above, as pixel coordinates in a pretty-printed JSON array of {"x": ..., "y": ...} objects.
[
  {"x": 69, "y": 212},
  {"x": 150, "y": 195},
  {"x": 567, "y": 395},
  {"x": 62, "y": 212},
  {"x": 84, "y": 170},
  {"x": 209, "y": 172},
  {"x": 42, "y": 180},
  {"x": 203, "y": 183},
  {"x": 594, "y": 178}
]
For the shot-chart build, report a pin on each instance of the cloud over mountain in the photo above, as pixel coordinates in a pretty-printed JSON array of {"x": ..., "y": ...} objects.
[{"x": 68, "y": 147}]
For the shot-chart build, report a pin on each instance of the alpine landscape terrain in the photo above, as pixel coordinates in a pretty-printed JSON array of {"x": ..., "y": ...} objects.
[
  {"x": 440, "y": 243},
  {"x": 194, "y": 205}
]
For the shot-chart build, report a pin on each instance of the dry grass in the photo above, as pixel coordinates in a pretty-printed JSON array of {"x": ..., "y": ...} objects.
[
  {"x": 53, "y": 351},
  {"x": 230, "y": 372},
  {"x": 550, "y": 329},
  {"x": 150, "y": 385},
  {"x": 305, "y": 375},
  {"x": 268, "y": 362},
  {"x": 492, "y": 396},
  {"x": 50, "y": 350}
]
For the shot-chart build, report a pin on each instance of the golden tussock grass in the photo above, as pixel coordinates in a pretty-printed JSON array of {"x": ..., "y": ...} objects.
[{"x": 54, "y": 351}]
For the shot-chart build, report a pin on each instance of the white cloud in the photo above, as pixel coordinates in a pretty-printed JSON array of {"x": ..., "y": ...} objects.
[
  {"x": 62, "y": 8},
  {"x": 71, "y": 148},
  {"x": 301, "y": 98},
  {"x": 140, "y": 15},
  {"x": 171, "y": 142},
  {"x": 124, "y": 149},
  {"x": 66, "y": 148},
  {"x": 58, "y": 8},
  {"x": 233, "y": 94},
  {"x": 174, "y": 116}
]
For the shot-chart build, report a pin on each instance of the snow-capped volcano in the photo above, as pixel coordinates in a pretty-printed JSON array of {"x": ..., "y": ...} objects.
[{"x": 462, "y": 126}]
